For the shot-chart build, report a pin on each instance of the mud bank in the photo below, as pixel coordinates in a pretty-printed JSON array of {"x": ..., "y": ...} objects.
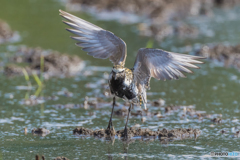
[
  {"x": 55, "y": 64},
  {"x": 229, "y": 56},
  {"x": 6, "y": 33},
  {"x": 157, "y": 16},
  {"x": 174, "y": 134}
]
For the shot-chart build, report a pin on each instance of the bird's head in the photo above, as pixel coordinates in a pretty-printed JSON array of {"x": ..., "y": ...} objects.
[{"x": 118, "y": 68}]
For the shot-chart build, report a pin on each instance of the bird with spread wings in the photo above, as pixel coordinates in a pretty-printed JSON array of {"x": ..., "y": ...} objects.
[{"x": 156, "y": 63}]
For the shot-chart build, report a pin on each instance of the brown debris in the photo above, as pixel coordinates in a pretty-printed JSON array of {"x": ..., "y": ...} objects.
[
  {"x": 55, "y": 64},
  {"x": 228, "y": 55}
]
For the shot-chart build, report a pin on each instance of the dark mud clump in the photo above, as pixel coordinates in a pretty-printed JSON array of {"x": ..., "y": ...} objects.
[
  {"x": 161, "y": 134},
  {"x": 217, "y": 120},
  {"x": 83, "y": 131},
  {"x": 139, "y": 132},
  {"x": 55, "y": 64},
  {"x": 6, "y": 33},
  {"x": 228, "y": 55},
  {"x": 179, "y": 133},
  {"x": 96, "y": 133},
  {"x": 40, "y": 131},
  {"x": 158, "y": 103},
  {"x": 61, "y": 158}
]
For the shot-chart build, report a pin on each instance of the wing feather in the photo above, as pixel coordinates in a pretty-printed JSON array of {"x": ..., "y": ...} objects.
[
  {"x": 98, "y": 42},
  {"x": 161, "y": 65}
]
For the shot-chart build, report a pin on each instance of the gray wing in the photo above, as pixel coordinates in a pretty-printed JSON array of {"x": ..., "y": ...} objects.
[
  {"x": 98, "y": 42},
  {"x": 161, "y": 65}
]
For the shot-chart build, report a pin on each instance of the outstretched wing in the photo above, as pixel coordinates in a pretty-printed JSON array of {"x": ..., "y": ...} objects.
[
  {"x": 98, "y": 42},
  {"x": 161, "y": 65}
]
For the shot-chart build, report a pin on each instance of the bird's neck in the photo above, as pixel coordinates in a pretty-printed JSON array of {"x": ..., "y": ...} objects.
[{"x": 118, "y": 75}]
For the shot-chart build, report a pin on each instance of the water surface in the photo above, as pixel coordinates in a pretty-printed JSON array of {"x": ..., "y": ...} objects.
[{"x": 212, "y": 89}]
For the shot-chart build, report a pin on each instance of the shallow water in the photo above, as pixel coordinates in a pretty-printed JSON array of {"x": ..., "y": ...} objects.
[{"x": 212, "y": 89}]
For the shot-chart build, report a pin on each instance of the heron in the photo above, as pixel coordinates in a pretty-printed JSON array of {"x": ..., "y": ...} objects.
[{"x": 129, "y": 84}]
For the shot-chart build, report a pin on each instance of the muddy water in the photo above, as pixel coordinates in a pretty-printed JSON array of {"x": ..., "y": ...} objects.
[{"x": 214, "y": 90}]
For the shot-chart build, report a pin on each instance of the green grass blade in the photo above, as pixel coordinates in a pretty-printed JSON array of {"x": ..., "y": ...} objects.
[
  {"x": 42, "y": 67},
  {"x": 149, "y": 44},
  {"x": 37, "y": 79},
  {"x": 25, "y": 74}
]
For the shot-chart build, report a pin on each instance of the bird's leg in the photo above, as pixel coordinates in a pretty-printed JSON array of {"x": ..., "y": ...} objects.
[
  {"x": 125, "y": 130},
  {"x": 110, "y": 121}
]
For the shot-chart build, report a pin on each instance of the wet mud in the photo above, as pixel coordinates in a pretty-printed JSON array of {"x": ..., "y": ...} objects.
[
  {"x": 174, "y": 134},
  {"x": 229, "y": 56},
  {"x": 96, "y": 133},
  {"x": 159, "y": 14},
  {"x": 55, "y": 63}
]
